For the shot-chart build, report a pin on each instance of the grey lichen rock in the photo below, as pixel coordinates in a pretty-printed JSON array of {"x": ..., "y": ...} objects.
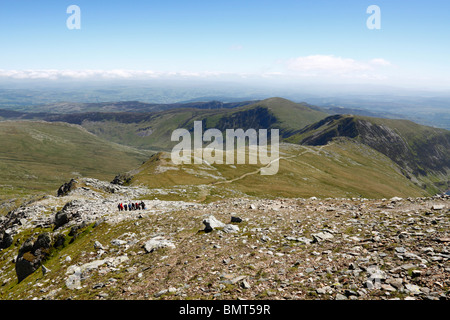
[
  {"x": 322, "y": 236},
  {"x": 230, "y": 228},
  {"x": 158, "y": 243}
]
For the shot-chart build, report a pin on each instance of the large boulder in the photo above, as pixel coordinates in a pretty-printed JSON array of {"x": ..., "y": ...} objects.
[
  {"x": 31, "y": 255},
  {"x": 61, "y": 218},
  {"x": 212, "y": 223},
  {"x": 158, "y": 243},
  {"x": 64, "y": 215}
]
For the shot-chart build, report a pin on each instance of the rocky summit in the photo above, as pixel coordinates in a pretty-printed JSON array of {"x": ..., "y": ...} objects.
[{"x": 80, "y": 246}]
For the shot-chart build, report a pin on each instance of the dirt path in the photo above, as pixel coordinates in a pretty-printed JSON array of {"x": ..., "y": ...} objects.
[
  {"x": 308, "y": 150},
  {"x": 205, "y": 192}
]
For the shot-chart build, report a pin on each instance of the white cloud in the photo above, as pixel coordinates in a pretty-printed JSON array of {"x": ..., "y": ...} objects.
[
  {"x": 236, "y": 47},
  {"x": 380, "y": 62},
  {"x": 53, "y": 74},
  {"x": 330, "y": 65},
  {"x": 308, "y": 67},
  {"x": 326, "y": 63}
]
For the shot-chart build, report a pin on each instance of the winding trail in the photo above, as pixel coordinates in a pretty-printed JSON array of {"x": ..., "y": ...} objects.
[
  {"x": 206, "y": 192},
  {"x": 308, "y": 150}
]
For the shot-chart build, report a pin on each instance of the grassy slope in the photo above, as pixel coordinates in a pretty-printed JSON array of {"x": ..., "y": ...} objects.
[
  {"x": 342, "y": 169},
  {"x": 162, "y": 125},
  {"x": 38, "y": 156}
]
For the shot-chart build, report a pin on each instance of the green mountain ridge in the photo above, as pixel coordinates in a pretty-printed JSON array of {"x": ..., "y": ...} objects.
[
  {"x": 152, "y": 130},
  {"x": 423, "y": 153},
  {"x": 104, "y": 144}
]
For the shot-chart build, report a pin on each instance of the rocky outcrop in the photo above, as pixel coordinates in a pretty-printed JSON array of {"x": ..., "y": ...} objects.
[
  {"x": 76, "y": 274},
  {"x": 122, "y": 179},
  {"x": 32, "y": 254},
  {"x": 66, "y": 188}
]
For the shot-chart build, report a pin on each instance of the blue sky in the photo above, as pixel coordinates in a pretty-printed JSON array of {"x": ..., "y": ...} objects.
[{"x": 302, "y": 40}]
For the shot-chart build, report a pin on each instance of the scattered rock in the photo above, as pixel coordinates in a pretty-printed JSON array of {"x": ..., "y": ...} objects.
[
  {"x": 245, "y": 284},
  {"x": 230, "y": 228},
  {"x": 416, "y": 273},
  {"x": 413, "y": 289},
  {"x": 322, "y": 236},
  {"x": 232, "y": 279},
  {"x": 349, "y": 293},
  {"x": 236, "y": 220},
  {"x": 98, "y": 245},
  {"x": 369, "y": 285},
  {"x": 395, "y": 282},
  {"x": 400, "y": 250},
  {"x": 340, "y": 296},
  {"x": 375, "y": 273},
  {"x": 78, "y": 273},
  {"x": 387, "y": 287},
  {"x": 45, "y": 270},
  {"x": 300, "y": 239},
  {"x": 118, "y": 242}
]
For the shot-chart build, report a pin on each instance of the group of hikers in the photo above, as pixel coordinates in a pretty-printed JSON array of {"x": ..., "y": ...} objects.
[{"x": 131, "y": 206}]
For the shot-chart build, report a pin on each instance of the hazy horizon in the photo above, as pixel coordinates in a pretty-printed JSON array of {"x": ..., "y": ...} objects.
[{"x": 256, "y": 43}]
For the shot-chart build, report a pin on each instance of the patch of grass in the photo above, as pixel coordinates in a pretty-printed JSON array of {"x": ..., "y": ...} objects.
[{"x": 350, "y": 230}]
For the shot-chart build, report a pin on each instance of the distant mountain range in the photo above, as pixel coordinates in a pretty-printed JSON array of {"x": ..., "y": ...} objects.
[
  {"x": 421, "y": 106},
  {"x": 397, "y": 154}
]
